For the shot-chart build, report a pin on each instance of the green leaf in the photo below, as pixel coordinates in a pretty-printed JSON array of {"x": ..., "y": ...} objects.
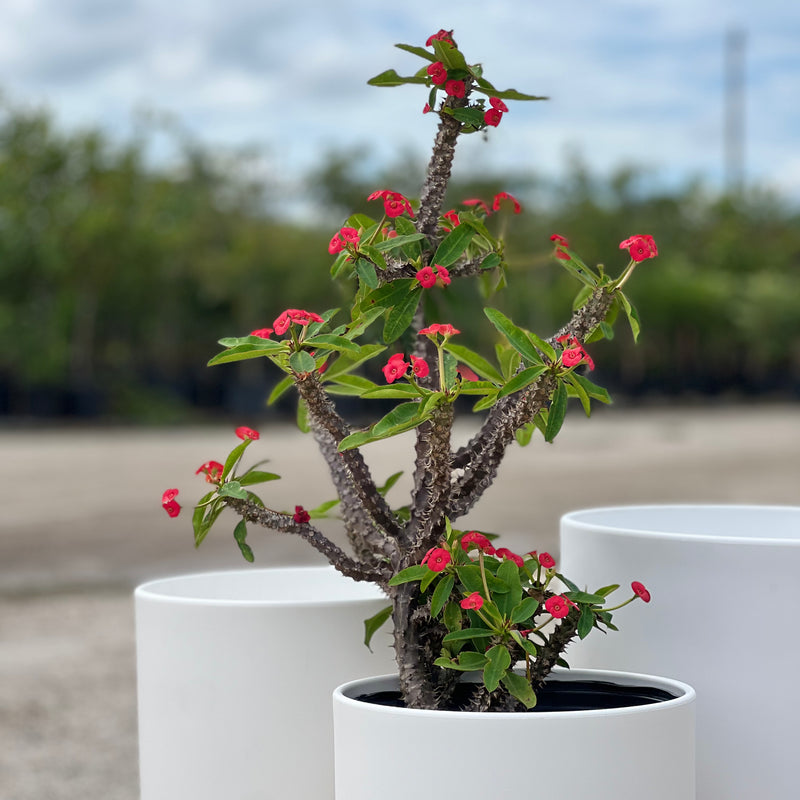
[
  {"x": 390, "y": 78},
  {"x": 474, "y": 361},
  {"x": 256, "y": 476},
  {"x": 415, "y": 573},
  {"x": 417, "y": 51},
  {"x": 400, "y": 416},
  {"x": 400, "y": 390},
  {"x": 491, "y": 261},
  {"x": 302, "y": 361},
  {"x": 499, "y": 662},
  {"x": 441, "y": 594},
  {"x": 328, "y": 341},
  {"x": 517, "y": 337},
  {"x": 519, "y": 687},
  {"x": 605, "y": 591},
  {"x": 485, "y": 402},
  {"x": 234, "y": 456},
  {"x": 348, "y": 362},
  {"x": 585, "y": 623},
  {"x": 469, "y": 116},
  {"x": 585, "y": 597},
  {"x": 579, "y": 392},
  {"x": 524, "y": 610},
  {"x": 240, "y": 535},
  {"x": 401, "y": 315},
  {"x": 632, "y": 314},
  {"x": 374, "y": 623},
  {"x": 390, "y": 481},
  {"x": 232, "y": 489},
  {"x": 245, "y": 351},
  {"x": 513, "y": 94},
  {"x": 453, "y": 245},
  {"x": 468, "y": 661},
  {"x": 556, "y": 412},
  {"x": 449, "y": 55},
  {"x": 592, "y": 389},
  {"x": 279, "y": 389},
  {"x": 399, "y": 241},
  {"x": 452, "y": 617},
  {"x": 466, "y": 634},
  {"x": 524, "y": 434},
  {"x": 523, "y": 379}
]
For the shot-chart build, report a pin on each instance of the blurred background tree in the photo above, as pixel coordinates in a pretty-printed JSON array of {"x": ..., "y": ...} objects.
[{"x": 119, "y": 276}]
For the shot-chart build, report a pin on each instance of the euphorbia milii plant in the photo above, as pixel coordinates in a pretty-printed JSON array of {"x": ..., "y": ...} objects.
[{"x": 456, "y": 602}]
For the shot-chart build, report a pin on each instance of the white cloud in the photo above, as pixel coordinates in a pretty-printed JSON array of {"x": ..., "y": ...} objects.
[{"x": 631, "y": 80}]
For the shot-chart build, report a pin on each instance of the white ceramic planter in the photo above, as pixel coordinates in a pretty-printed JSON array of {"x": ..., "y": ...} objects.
[
  {"x": 723, "y": 616},
  {"x": 235, "y": 674},
  {"x": 617, "y": 754}
]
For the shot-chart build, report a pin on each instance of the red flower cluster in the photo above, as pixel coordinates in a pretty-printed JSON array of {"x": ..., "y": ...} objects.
[
  {"x": 243, "y": 432},
  {"x": 296, "y": 315},
  {"x": 476, "y": 201},
  {"x": 437, "y": 558},
  {"x": 430, "y": 276},
  {"x": 212, "y": 470},
  {"x": 500, "y": 196},
  {"x": 574, "y": 354},
  {"x": 640, "y": 591},
  {"x": 560, "y": 241},
  {"x": 557, "y": 606},
  {"x": 301, "y": 516},
  {"x": 546, "y": 560},
  {"x": 170, "y": 504},
  {"x": 444, "y": 329},
  {"x": 452, "y": 216},
  {"x": 473, "y": 538},
  {"x": 495, "y": 113},
  {"x": 437, "y": 73},
  {"x": 473, "y": 601},
  {"x": 455, "y": 88},
  {"x": 262, "y": 333},
  {"x": 396, "y": 367},
  {"x": 342, "y": 238},
  {"x": 394, "y": 203},
  {"x": 504, "y": 552},
  {"x": 640, "y": 247},
  {"x": 443, "y": 36}
]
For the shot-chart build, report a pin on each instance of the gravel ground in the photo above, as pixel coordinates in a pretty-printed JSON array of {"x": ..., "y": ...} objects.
[{"x": 82, "y": 524}]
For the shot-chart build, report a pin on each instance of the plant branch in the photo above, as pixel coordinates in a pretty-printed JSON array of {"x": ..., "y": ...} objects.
[{"x": 285, "y": 523}]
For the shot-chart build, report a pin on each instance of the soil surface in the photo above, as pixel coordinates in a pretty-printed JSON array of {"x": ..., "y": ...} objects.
[{"x": 82, "y": 525}]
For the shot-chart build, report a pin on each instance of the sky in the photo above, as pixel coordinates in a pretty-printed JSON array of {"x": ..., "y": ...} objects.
[{"x": 630, "y": 82}]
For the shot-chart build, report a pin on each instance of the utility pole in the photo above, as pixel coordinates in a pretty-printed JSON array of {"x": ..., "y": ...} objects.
[{"x": 734, "y": 109}]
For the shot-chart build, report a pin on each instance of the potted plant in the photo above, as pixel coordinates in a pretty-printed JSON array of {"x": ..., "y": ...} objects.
[{"x": 476, "y": 628}]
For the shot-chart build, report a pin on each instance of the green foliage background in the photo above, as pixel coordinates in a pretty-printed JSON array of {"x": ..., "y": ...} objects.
[{"x": 117, "y": 278}]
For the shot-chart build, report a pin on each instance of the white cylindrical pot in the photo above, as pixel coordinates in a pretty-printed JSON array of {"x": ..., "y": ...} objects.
[
  {"x": 725, "y": 605},
  {"x": 611, "y": 754},
  {"x": 235, "y": 674}
]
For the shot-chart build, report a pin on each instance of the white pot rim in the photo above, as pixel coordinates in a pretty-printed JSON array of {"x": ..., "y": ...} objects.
[
  {"x": 684, "y": 695},
  {"x": 592, "y": 519},
  {"x": 188, "y": 589}
]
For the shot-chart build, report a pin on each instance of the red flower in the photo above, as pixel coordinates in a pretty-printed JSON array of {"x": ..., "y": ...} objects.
[
  {"x": 389, "y": 233},
  {"x": 169, "y": 503},
  {"x": 342, "y": 238},
  {"x": 443, "y": 275},
  {"x": 474, "y": 601},
  {"x": 445, "y": 329},
  {"x": 500, "y": 196},
  {"x": 395, "y": 204},
  {"x": 574, "y": 354},
  {"x": 296, "y": 315},
  {"x": 640, "y": 247},
  {"x": 262, "y": 333},
  {"x": 437, "y": 73},
  {"x": 561, "y": 241},
  {"x": 442, "y": 35},
  {"x": 504, "y": 552},
  {"x": 437, "y": 558},
  {"x": 466, "y": 373},
  {"x": 455, "y": 88},
  {"x": 419, "y": 367},
  {"x": 546, "y": 560},
  {"x": 471, "y": 538},
  {"x": 476, "y": 201},
  {"x": 496, "y": 102},
  {"x": 245, "y": 433},
  {"x": 452, "y": 215},
  {"x": 640, "y": 591},
  {"x": 395, "y": 368},
  {"x": 492, "y": 116},
  {"x": 426, "y": 277},
  {"x": 301, "y": 516},
  {"x": 212, "y": 470},
  {"x": 426, "y": 109},
  {"x": 557, "y": 606},
  {"x": 572, "y": 357}
]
